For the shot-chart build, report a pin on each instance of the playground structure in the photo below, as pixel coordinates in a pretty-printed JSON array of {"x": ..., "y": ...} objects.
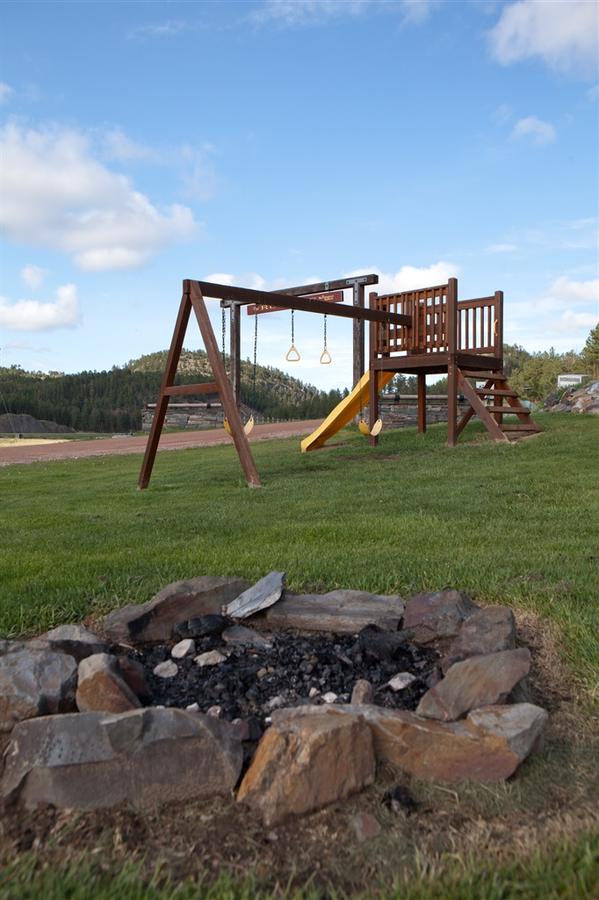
[{"x": 421, "y": 332}]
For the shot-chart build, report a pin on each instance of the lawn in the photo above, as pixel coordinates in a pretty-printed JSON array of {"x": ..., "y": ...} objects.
[{"x": 513, "y": 524}]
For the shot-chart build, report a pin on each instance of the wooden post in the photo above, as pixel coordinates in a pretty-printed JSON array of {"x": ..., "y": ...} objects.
[
  {"x": 498, "y": 327},
  {"x": 224, "y": 385},
  {"x": 373, "y": 387},
  {"x": 358, "y": 336},
  {"x": 421, "y": 402},
  {"x": 168, "y": 380},
  {"x": 452, "y": 371},
  {"x": 235, "y": 351}
]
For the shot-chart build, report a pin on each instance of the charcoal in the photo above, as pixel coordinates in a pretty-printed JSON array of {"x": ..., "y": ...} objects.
[
  {"x": 399, "y": 799},
  {"x": 212, "y": 624},
  {"x": 290, "y": 666}
]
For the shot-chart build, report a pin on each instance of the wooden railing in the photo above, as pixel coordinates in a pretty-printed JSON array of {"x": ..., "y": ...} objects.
[{"x": 440, "y": 324}]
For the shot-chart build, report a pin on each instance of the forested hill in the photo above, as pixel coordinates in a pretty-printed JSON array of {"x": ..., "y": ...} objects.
[{"x": 112, "y": 401}]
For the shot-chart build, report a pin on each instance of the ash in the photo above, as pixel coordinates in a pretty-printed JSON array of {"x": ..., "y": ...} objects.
[{"x": 292, "y": 670}]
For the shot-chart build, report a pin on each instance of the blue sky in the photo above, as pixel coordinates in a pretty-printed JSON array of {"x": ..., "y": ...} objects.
[{"x": 284, "y": 141}]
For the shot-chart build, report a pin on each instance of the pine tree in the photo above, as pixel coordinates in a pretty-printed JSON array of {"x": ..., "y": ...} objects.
[{"x": 590, "y": 352}]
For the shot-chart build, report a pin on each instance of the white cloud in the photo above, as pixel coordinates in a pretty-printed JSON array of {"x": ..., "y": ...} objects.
[
  {"x": 33, "y": 276},
  {"x": 411, "y": 277},
  {"x": 539, "y": 131},
  {"x": 170, "y": 28},
  {"x": 6, "y": 92},
  {"x": 564, "y": 290},
  {"x": 31, "y": 315},
  {"x": 501, "y": 248},
  {"x": 563, "y": 33},
  {"x": 249, "y": 280},
  {"x": 119, "y": 146},
  {"x": 573, "y": 321},
  {"x": 320, "y": 12},
  {"x": 56, "y": 194}
]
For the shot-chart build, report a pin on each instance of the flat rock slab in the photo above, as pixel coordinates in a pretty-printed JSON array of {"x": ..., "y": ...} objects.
[
  {"x": 342, "y": 611},
  {"x": 178, "y": 602},
  {"x": 437, "y": 616},
  {"x": 260, "y": 596},
  {"x": 478, "y": 681},
  {"x": 35, "y": 683},
  {"x": 520, "y": 725},
  {"x": 487, "y": 630},
  {"x": 101, "y": 687},
  {"x": 305, "y": 762},
  {"x": 76, "y": 640},
  {"x": 145, "y": 757}
]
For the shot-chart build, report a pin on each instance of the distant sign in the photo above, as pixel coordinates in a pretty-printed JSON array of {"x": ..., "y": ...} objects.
[
  {"x": 569, "y": 380},
  {"x": 255, "y": 309}
]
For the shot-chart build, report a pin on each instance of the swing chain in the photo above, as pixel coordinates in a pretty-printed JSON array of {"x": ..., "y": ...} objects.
[
  {"x": 292, "y": 327},
  {"x": 325, "y": 333},
  {"x": 223, "y": 335}
]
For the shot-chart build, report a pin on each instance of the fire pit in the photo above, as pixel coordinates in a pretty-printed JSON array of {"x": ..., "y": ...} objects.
[{"x": 176, "y": 699}]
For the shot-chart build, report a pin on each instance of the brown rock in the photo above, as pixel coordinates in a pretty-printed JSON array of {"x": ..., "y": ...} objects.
[
  {"x": 342, "y": 611},
  {"x": 134, "y": 675},
  {"x": 437, "y": 616},
  {"x": 145, "y": 757},
  {"x": 487, "y": 630},
  {"x": 363, "y": 692},
  {"x": 75, "y": 640},
  {"x": 101, "y": 688},
  {"x": 307, "y": 760},
  {"x": 478, "y": 681},
  {"x": 439, "y": 751},
  {"x": 182, "y": 600}
]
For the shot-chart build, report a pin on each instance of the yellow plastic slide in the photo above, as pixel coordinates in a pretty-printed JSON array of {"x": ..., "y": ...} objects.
[{"x": 344, "y": 412}]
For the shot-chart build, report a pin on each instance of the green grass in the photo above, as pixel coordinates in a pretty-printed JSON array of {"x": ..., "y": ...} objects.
[
  {"x": 567, "y": 872},
  {"x": 515, "y": 524}
]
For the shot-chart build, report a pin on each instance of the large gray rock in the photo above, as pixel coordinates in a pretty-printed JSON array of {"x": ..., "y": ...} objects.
[
  {"x": 304, "y": 762},
  {"x": 342, "y": 611},
  {"x": 437, "y": 616},
  {"x": 520, "y": 725},
  {"x": 487, "y": 630},
  {"x": 478, "y": 681},
  {"x": 259, "y": 596},
  {"x": 182, "y": 600},
  {"x": 75, "y": 640},
  {"x": 35, "y": 683},
  {"x": 145, "y": 757},
  {"x": 101, "y": 687}
]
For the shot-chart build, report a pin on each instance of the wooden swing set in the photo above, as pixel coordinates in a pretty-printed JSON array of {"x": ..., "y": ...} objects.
[{"x": 421, "y": 332}]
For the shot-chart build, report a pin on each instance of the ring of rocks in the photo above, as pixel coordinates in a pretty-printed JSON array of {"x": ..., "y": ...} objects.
[{"x": 175, "y": 699}]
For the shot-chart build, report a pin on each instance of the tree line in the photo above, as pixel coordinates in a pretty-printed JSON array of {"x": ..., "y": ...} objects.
[{"x": 112, "y": 401}]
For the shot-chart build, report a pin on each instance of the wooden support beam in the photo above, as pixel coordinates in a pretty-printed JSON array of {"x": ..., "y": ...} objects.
[
  {"x": 358, "y": 334},
  {"x": 373, "y": 387},
  {"x": 421, "y": 402},
  {"x": 168, "y": 379},
  {"x": 452, "y": 369},
  {"x": 224, "y": 385},
  {"x": 235, "y": 351},
  {"x": 272, "y": 298},
  {"x": 204, "y": 387}
]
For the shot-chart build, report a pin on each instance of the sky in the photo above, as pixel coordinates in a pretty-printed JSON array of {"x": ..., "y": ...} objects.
[{"x": 280, "y": 142}]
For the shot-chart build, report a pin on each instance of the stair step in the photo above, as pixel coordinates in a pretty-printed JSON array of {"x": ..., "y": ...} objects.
[
  {"x": 496, "y": 392},
  {"x": 495, "y": 376},
  {"x": 522, "y": 427},
  {"x": 509, "y": 410}
]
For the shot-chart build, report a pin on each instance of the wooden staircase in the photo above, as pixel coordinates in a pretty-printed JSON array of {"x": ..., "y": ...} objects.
[{"x": 491, "y": 403}]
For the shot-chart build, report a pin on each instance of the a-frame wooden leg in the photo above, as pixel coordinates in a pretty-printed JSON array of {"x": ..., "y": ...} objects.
[
  {"x": 421, "y": 402},
  {"x": 224, "y": 385},
  {"x": 168, "y": 379},
  {"x": 452, "y": 403}
]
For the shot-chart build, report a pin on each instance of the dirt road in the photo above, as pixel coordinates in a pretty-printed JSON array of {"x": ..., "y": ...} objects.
[{"x": 121, "y": 445}]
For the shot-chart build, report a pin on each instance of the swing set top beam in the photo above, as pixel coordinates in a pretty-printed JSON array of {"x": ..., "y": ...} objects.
[{"x": 304, "y": 304}]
